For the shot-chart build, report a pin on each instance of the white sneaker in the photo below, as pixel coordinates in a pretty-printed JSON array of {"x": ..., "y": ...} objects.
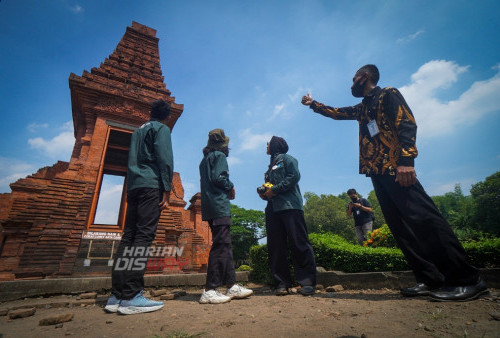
[
  {"x": 237, "y": 291},
  {"x": 213, "y": 297}
]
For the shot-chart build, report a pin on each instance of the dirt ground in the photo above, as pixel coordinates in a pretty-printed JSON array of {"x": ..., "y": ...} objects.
[{"x": 348, "y": 313}]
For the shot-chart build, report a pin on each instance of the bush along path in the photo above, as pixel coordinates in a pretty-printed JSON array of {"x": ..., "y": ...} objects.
[{"x": 334, "y": 253}]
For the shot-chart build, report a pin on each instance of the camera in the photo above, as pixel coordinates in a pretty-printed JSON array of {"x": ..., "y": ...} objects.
[{"x": 262, "y": 189}]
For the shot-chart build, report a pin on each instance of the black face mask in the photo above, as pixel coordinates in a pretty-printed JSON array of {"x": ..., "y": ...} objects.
[{"x": 357, "y": 89}]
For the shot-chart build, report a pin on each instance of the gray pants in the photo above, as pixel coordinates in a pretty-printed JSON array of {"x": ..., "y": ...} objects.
[{"x": 362, "y": 230}]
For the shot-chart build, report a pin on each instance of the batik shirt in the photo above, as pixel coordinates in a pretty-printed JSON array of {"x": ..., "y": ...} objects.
[{"x": 394, "y": 145}]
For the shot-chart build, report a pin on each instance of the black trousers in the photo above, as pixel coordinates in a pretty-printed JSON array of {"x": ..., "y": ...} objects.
[
  {"x": 431, "y": 248},
  {"x": 130, "y": 262},
  {"x": 220, "y": 269},
  {"x": 287, "y": 229}
]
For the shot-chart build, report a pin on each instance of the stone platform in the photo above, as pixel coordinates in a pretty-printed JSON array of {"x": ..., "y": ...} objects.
[{"x": 11, "y": 290}]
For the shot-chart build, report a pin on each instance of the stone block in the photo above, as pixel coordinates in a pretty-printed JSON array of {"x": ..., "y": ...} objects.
[
  {"x": 179, "y": 293},
  {"x": 334, "y": 288},
  {"x": 169, "y": 296},
  {"x": 156, "y": 293},
  {"x": 22, "y": 313},
  {"x": 88, "y": 295},
  {"x": 62, "y": 318}
]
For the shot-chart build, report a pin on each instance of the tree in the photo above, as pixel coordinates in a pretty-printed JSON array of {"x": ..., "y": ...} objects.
[
  {"x": 486, "y": 200},
  {"x": 247, "y": 228},
  {"x": 377, "y": 211},
  {"x": 456, "y": 208},
  {"x": 327, "y": 213}
]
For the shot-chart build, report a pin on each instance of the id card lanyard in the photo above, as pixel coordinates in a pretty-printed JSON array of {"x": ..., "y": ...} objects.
[{"x": 372, "y": 125}]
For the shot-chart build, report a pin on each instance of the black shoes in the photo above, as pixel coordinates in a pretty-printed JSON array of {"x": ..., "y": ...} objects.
[
  {"x": 281, "y": 292},
  {"x": 307, "y": 290},
  {"x": 447, "y": 293},
  {"x": 304, "y": 291},
  {"x": 420, "y": 289},
  {"x": 460, "y": 293}
]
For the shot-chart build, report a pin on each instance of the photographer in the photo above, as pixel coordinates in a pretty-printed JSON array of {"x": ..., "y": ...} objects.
[
  {"x": 285, "y": 224},
  {"x": 362, "y": 212}
]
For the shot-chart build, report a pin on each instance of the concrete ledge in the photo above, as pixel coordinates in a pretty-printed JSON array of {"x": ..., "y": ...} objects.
[
  {"x": 388, "y": 279},
  {"x": 367, "y": 280},
  {"x": 17, "y": 289},
  {"x": 11, "y": 290}
]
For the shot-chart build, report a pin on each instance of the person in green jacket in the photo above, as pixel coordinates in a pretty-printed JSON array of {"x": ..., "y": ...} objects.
[
  {"x": 216, "y": 191},
  {"x": 149, "y": 180},
  {"x": 285, "y": 224}
]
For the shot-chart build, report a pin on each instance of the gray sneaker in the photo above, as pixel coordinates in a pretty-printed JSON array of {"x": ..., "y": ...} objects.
[
  {"x": 213, "y": 297},
  {"x": 237, "y": 291}
]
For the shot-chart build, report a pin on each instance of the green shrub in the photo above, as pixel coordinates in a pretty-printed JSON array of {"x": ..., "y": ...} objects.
[
  {"x": 259, "y": 262},
  {"x": 485, "y": 254},
  {"x": 381, "y": 237},
  {"x": 334, "y": 253},
  {"x": 466, "y": 235},
  {"x": 244, "y": 268}
]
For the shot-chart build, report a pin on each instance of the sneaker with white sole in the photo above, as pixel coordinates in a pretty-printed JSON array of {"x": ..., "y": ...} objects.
[
  {"x": 138, "y": 304},
  {"x": 238, "y": 292},
  {"x": 112, "y": 304},
  {"x": 213, "y": 297}
]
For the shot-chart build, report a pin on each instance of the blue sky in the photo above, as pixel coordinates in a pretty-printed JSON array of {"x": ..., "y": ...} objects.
[{"x": 243, "y": 66}]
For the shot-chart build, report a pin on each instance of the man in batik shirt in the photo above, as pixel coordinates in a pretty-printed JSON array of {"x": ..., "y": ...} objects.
[{"x": 387, "y": 135}]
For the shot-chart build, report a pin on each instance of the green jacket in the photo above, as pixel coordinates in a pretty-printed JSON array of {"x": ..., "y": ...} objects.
[
  {"x": 215, "y": 186},
  {"x": 150, "y": 159},
  {"x": 284, "y": 175}
]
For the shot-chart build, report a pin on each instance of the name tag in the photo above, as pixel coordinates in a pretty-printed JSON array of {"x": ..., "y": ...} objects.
[
  {"x": 373, "y": 128},
  {"x": 277, "y": 165}
]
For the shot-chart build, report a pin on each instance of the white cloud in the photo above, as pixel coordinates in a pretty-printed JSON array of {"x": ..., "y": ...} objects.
[
  {"x": 109, "y": 202},
  {"x": 277, "y": 110},
  {"x": 76, "y": 9},
  {"x": 59, "y": 147},
  {"x": 441, "y": 189},
  {"x": 410, "y": 37},
  {"x": 436, "y": 117},
  {"x": 295, "y": 97},
  {"x": 250, "y": 141},
  {"x": 231, "y": 160},
  {"x": 11, "y": 170},
  {"x": 34, "y": 127},
  {"x": 281, "y": 111}
]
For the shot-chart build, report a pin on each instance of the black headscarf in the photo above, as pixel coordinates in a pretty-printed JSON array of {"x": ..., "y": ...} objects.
[{"x": 278, "y": 145}]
